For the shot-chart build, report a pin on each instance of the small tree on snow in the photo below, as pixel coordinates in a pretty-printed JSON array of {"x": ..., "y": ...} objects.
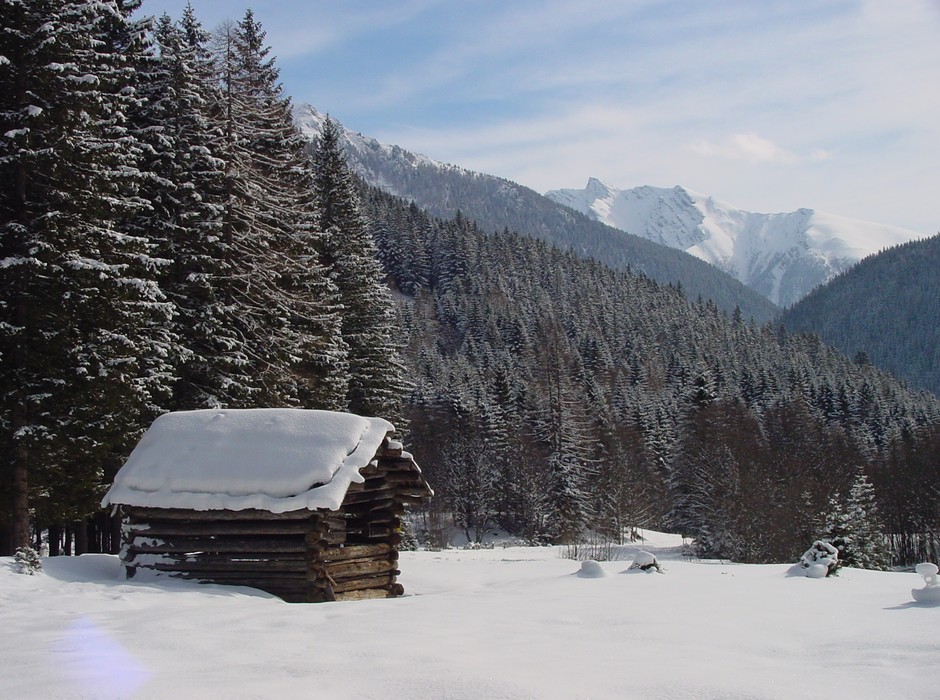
[
  {"x": 26, "y": 561},
  {"x": 854, "y": 528}
]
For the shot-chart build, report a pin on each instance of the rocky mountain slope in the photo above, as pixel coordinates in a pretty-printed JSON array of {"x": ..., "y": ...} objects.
[{"x": 781, "y": 256}]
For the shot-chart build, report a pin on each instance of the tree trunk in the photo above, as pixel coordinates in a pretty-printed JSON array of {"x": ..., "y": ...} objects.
[
  {"x": 20, "y": 523},
  {"x": 55, "y": 540},
  {"x": 81, "y": 536}
]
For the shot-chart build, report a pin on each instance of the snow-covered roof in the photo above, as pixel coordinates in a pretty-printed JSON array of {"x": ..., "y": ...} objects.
[{"x": 274, "y": 459}]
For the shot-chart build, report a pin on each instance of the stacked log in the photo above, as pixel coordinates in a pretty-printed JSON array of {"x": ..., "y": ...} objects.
[
  {"x": 300, "y": 556},
  {"x": 255, "y": 548},
  {"x": 367, "y": 565}
]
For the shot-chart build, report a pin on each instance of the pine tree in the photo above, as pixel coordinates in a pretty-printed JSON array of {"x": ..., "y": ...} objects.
[
  {"x": 369, "y": 322},
  {"x": 82, "y": 332},
  {"x": 185, "y": 196},
  {"x": 854, "y": 527},
  {"x": 289, "y": 347}
]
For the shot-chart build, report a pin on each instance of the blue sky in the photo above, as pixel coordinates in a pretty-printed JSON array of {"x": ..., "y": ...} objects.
[{"x": 770, "y": 105}]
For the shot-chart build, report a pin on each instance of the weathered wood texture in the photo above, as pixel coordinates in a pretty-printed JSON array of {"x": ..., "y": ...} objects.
[{"x": 300, "y": 556}]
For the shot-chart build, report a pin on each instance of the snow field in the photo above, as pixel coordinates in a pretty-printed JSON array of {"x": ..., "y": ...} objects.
[{"x": 498, "y": 623}]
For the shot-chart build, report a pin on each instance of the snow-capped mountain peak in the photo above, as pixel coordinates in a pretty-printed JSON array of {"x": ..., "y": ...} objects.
[
  {"x": 365, "y": 149},
  {"x": 782, "y": 256}
]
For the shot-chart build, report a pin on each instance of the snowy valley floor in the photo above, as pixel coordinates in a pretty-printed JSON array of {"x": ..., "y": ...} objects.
[{"x": 500, "y": 623}]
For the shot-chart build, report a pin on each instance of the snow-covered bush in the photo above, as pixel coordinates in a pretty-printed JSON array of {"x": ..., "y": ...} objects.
[
  {"x": 930, "y": 593},
  {"x": 820, "y": 560},
  {"x": 409, "y": 538},
  {"x": 26, "y": 561},
  {"x": 645, "y": 561}
]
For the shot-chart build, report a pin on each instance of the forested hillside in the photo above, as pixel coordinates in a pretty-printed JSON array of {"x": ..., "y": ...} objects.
[
  {"x": 495, "y": 203},
  {"x": 552, "y": 392},
  {"x": 885, "y": 309}
]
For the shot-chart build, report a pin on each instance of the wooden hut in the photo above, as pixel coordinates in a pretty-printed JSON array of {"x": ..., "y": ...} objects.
[{"x": 303, "y": 504}]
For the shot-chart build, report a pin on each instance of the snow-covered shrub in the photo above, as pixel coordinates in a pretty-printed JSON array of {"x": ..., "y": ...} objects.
[
  {"x": 930, "y": 593},
  {"x": 409, "y": 538},
  {"x": 820, "y": 560},
  {"x": 645, "y": 561},
  {"x": 26, "y": 561}
]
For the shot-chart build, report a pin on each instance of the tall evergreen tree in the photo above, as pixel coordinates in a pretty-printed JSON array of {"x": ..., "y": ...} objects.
[
  {"x": 181, "y": 129},
  {"x": 376, "y": 374},
  {"x": 290, "y": 347},
  {"x": 854, "y": 527},
  {"x": 82, "y": 333}
]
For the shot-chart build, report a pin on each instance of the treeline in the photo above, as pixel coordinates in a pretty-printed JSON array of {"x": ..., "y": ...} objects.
[
  {"x": 166, "y": 243},
  {"x": 553, "y": 394}
]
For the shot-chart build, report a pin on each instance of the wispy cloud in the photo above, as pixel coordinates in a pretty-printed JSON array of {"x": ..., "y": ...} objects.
[
  {"x": 749, "y": 147},
  {"x": 766, "y": 105}
]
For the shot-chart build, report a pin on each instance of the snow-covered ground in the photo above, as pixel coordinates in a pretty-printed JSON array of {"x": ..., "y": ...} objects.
[{"x": 499, "y": 623}]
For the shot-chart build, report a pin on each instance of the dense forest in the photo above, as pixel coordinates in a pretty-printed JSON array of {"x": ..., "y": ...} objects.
[
  {"x": 169, "y": 240},
  {"x": 553, "y": 394},
  {"x": 886, "y": 308}
]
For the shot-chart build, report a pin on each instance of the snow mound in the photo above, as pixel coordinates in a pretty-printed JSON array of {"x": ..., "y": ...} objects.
[
  {"x": 930, "y": 593},
  {"x": 817, "y": 571},
  {"x": 929, "y": 571},
  {"x": 591, "y": 569}
]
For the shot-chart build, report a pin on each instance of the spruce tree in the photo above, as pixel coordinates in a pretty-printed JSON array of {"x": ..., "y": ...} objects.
[
  {"x": 290, "y": 349},
  {"x": 854, "y": 527},
  {"x": 369, "y": 321},
  {"x": 82, "y": 332},
  {"x": 179, "y": 126}
]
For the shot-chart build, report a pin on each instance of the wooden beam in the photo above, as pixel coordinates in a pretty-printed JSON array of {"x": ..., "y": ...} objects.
[
  {"x": 334, "y": 554},
  {"x": 358, "y": 568},
  {"x": 360, "y": 584},
  {"x": 258, "y": 547},
  {"x": 166, "y": 528},
  {"x": 142, "y": 515},
  {"x": 367, "y": 594}
]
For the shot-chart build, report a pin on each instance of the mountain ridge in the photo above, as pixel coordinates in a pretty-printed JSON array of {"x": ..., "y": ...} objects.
[
  {"x": 885, "y": 309},
  {"x": 496, "y": 203},
  {"x": 782, "y": 256}
]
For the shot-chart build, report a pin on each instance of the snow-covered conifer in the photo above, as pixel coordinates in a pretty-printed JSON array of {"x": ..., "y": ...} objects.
[
  {"x": 369, "y": 321},
  {"x": 854, "y": 527},
  {"x": 290, "y": 349},
  {"x": 82, "y": 319},
  {"x": 820, "y": 560},
  {"x": 26, "y": 561}
]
